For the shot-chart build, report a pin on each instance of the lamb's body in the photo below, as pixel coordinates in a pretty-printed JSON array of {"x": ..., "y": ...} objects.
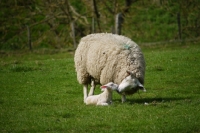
[
  {"x": 105, "y": 98},
  {"x": 101, "y": 99},
  {"x": 102, "y": 58}
]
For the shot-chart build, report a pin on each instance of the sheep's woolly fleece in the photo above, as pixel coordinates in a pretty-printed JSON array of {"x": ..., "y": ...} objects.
[{"x": 105, "y": 57}]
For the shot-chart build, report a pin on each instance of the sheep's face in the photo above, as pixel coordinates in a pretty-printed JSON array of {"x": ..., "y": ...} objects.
[
  {"x": 129, "y": 83},
  {"x": 110, "y": 85}
]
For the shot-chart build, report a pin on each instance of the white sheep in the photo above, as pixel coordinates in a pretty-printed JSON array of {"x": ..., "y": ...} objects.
[
  {"x": 104, "y": 57},
  {"x": 105, "y": 98},
  {"x": 129, "y": 85}
]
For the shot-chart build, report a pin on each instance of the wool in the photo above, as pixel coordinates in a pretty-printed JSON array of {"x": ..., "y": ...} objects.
[{"x": 104, "y": 57}]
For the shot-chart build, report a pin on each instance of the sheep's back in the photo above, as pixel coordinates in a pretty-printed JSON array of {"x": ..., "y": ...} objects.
[{"x": 108, "y": 56}]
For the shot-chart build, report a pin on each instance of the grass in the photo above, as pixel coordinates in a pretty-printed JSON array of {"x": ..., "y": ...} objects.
[{"x": 39, "y": 93}]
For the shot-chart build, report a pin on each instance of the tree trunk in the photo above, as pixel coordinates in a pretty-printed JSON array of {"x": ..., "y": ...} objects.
[
  {"x": 73, "y": 33},
  {"x": 29, "y": 37},
  {"x": 179, "y": 25},
  {"x": 96, "y": 13}
]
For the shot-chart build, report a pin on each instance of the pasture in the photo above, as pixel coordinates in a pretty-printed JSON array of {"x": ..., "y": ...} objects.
[{"x": 39, "y": 93}]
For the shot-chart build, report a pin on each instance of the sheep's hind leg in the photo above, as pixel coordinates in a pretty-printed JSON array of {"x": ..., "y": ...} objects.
[
  {"x": 123, "y": 98},
  {"x": 85, "y": 87},
  {"x": 93, "y": 85}
]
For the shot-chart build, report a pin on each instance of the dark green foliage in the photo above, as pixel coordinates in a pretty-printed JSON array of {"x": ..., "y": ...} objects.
[{"x": 49, "y": 21}]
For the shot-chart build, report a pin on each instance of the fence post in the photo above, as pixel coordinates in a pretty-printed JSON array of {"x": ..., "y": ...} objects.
[
  {"x": 118, "y": 23},
  {"x": 93, "y": 25},
  {"x": 179, "y": 25},
  {"x": 29, "y": 37}
]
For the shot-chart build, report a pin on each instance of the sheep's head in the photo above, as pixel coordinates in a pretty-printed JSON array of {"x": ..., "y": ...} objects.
[
  {"x": 130, "y": 83},
  {"x": 110, "y": 86}
]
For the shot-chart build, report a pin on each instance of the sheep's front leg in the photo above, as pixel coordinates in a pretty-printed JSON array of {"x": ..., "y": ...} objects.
[
  {"x": 85, "y": 87},
  {"x": 123, "y": 98},
  {"x": 93, "y": 85}
]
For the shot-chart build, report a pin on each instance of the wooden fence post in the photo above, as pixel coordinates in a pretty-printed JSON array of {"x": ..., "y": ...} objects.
[
  {"x": 93, "y": 25},
  {"x": 118, "y": 23}
]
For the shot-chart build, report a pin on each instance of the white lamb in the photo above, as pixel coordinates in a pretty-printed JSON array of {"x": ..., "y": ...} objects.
[
  {"x": 105, "y": 98},
  {"x": 104, "y": 57}
]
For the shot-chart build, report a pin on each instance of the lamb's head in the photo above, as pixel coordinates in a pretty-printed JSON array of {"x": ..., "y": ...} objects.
[
  {"x": 130, "y": 83},
  {"x": 110, "y": 86}
]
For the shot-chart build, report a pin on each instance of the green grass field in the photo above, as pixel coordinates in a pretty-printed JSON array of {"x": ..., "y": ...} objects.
[{"x": 39, "y": 93}]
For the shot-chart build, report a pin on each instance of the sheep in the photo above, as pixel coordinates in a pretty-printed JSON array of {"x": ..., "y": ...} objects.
[
  {"x": 129, "y": 85},
  {"x": 105, "y": 98},
  {"x": 105, "y": 57}
]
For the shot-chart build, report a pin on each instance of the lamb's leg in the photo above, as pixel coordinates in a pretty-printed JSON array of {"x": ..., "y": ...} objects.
[
  {"x": 85, "y": 86},
  {"x": 123, "y": 98},
  {"x": 103, "y": 104},
  {"x": 92, "y": 87}
]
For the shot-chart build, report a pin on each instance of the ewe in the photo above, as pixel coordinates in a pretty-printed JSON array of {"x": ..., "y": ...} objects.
[
  {"x": 105, "y": 98},
  {"x": 102, "y": 58},
  {"x": 129, "y": 85}
]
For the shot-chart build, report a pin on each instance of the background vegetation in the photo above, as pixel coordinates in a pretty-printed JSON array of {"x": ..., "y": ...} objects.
[{"x": 50, "y": 22}]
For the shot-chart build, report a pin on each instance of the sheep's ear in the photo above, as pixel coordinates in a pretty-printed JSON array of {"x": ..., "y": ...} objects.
[
  {"x": 130, "y": 73},
  {"x": 141, "y": 86}
]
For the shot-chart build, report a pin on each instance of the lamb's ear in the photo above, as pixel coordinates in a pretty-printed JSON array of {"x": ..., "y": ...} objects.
[{"x": 103, "y": 87}]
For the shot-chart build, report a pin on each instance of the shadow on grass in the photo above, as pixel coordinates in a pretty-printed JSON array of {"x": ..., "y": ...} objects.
[{"x": 153, "y": 100}]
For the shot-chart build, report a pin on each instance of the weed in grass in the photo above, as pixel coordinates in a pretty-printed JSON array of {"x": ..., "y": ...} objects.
[{"x": 16, "y": 68}]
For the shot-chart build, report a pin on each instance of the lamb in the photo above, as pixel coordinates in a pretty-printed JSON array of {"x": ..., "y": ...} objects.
[
  {"x": 105, "y": 98},
  {"x": 104, "y": 57}
]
